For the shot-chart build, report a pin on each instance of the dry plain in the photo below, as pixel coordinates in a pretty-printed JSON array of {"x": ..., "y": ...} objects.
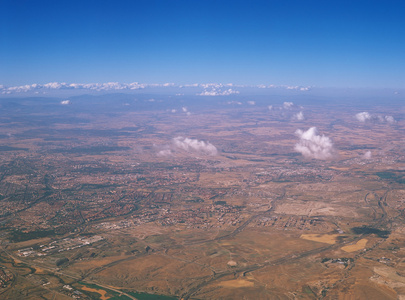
[{"x": 254, "y": 219}]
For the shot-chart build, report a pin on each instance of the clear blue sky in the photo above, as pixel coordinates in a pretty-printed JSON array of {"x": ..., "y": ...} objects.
[{"x": 320, "y": 43}]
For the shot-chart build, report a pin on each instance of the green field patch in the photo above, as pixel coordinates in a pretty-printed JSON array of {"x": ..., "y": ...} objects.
[
  {"x": 146, "y": 296},
  {"x": 371, "y": 230},
  {"x": 19, "y": 236},
  {"x": 396, "y": 176}
]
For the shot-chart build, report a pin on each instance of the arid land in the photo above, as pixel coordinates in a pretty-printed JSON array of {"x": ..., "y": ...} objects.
[{"x": 98, "y": 202}]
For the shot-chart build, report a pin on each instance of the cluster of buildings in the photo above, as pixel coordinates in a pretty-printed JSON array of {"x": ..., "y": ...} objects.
[
  {"x": 6, "y": 277},
  {"x": 317, "y": 224},
  {"x": 205, "y": 216},
  {"x": 59, "y": 246}
]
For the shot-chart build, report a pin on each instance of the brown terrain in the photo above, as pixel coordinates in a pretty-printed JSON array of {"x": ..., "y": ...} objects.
[{"x": 104, "y": 204}]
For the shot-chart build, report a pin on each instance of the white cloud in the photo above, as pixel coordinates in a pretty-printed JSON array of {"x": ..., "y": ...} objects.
[
  {"x": 299, "y": 116},
  {"x": 235, "y": 102},
  {"x": 270, "y": 107},
  {"x": 298, "y": 88},
  {"x": 390, "y": 119},
  {"x": 66, "y": 86},
  {"x": 184, "y": 109},
  {"x": 288, "y": 105},
  {"x": 209, "y": 89},
  {"x": 313, "y": 145},
  {"x": 194, "y": 145},
  {"x": 363, "y": 116},
  {"x": 51, "y": 85},
  {"x": 218, "y": 92},
  {"x": 367, "y": 155},
  {"x": 65, "y": 102},
  {"x": 251, "y": 102},
  {"x": 164, "y": 153},
  {"x": 174, "y": 110},
  {"x": 211, "y": 85}
]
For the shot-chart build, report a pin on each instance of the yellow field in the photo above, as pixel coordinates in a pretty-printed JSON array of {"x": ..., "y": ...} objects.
[
  {"x": 340, "y": 168},
  {"x": 101, "y": 292},
  {"x": 358, "y": 246},
  {"x": 321, "y": 238},
  {"x": 39, "y": 271},
  {"x": 237, "y": 283}
]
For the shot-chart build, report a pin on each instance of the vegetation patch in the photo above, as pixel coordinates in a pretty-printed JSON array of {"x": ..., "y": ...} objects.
[
  {"x": 8, "y": 148},
  {"x": 371, "y": 230},
  {"x": 146, "y": 296},
  {"x": 396, "y": 176},
  {"x": 19, "y": 236}
]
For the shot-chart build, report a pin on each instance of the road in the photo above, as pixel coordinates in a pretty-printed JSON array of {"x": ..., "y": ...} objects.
[{"x": 77, "y": 278}]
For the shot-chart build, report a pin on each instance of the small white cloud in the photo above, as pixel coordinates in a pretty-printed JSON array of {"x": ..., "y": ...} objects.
[
  {"x": 218, "y": 92},
  {"x": 184, "y": 109},
  {"x": 51, "y": 85},
  {"x": 313, "y": 145},
  {"x": 390, "y": 119},
  {"x": 194, "y": 145},
  {"x": 270, "y": 107},
  {"x": 287, "y": 105},
  {"x": 164, "y": 153},
  {"x": 298, "y": 88},
  {"x": 251, "y": 102},
  {"x": 367, "y": 155},
  {"x": 174, "y": 110},
  {"x": 299, "y": 116},
  {"x": 65, "y": 102},
  {"x": 363, "y": 116}
]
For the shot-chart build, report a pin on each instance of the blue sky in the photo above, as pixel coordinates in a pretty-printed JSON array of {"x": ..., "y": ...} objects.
[{"x": 318, "y": 43}]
